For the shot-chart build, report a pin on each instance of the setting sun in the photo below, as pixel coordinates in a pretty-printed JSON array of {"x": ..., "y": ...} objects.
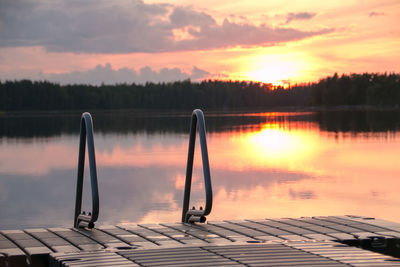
[
  {"x": 278, "y": 68},
  {"x": 273, "y": 72}
]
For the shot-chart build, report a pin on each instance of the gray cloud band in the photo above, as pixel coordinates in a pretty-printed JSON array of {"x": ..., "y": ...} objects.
[
  {"x": 299, "y": 16},
  {"x": 128, "y": 27},
  {"x": 105, "y": 74}
]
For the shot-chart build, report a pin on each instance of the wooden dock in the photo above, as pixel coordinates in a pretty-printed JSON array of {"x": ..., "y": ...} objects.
[{"x": 316, "y": 241}]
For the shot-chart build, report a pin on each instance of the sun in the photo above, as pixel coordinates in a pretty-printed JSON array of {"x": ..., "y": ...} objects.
[
  {"x": 277, "y": 69},
  {"x": 277, "y": 73}
]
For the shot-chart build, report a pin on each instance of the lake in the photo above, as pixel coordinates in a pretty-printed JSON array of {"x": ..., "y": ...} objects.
[{"x": 263, "y": 164}]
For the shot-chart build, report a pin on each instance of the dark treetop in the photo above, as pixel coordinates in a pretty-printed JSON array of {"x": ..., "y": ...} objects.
[{"x": 353, "y": 89}]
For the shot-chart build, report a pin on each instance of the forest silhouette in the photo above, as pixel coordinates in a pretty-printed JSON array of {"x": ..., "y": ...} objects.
[{"x": 346, "y": 90}]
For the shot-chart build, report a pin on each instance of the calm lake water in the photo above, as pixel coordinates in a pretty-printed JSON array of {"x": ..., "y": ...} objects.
[{"x": 262, "y": 165}]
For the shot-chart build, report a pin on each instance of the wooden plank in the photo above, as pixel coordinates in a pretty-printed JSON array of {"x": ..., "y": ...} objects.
[
  {"x": 321, "y": 228},
  {"x": 53, "y": 241},
  {"x": 150, "y": 235},
  {"x": 341, "y": 228},
  {"x": 365, "y": 227},
  {"x": 244, "y": 228},
  {"x": 174, "y": 235},
  {"x": 105, "y": 239},
  {"x": 344, "y": 254},
  {"x": 263, "y": 225},
  {"x": 373, "y": 221},
  {"x": 77, "y": 239},
  {"x": 319, "y": 237},
  {"x": 10, "y": 254},
  {"x": 381, "y": 230},
  {"x": 243, "y": 233},
  {"x": 133, "y": 240},
  {"x": 270, "y": 255},
  {"x": 308, "y": 224},
  {"x": 221, "y": 232},
  {"x": 26, "y": 242},
  {"x": 88, "y": 259},
  {"x": 176, "y": 257},
  {"x": 35, "y": 250},
  {"x": 294, "y": 229},
  {"x": 197, "y": 233}
]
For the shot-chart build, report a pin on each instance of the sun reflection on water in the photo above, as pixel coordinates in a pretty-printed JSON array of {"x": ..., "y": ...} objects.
[{"x": 273, "y": 143}]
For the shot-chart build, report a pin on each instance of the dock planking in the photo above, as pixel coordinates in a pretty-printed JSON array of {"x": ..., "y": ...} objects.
[{"x": 311, "y": 241}]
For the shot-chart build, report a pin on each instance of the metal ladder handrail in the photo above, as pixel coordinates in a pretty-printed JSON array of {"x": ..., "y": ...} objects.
[
  {"x": 193, "y": 215},
  {"x": 86, "y": 133}
]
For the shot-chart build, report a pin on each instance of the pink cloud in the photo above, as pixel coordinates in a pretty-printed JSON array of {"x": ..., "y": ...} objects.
[{"x": 98, "y": 27}]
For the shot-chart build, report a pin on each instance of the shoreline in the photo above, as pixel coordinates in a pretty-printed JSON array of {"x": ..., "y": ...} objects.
[{"x": 171, "y": 112}]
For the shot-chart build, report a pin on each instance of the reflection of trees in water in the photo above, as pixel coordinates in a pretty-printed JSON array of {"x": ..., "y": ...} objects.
[
  {"x": 46, "y": 126},
  {"x": 353, "y": 122},
  {"x": 359, "y": 121}
]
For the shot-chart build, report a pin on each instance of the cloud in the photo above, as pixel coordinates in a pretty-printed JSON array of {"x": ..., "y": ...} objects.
[
  {"x": 299, "y": 16},
  {"x": 375, "y": 14},
  {"x": 107, "y": 75},
  {"x": 130, "y": 26},
  {"x": 199, "y": 73}
]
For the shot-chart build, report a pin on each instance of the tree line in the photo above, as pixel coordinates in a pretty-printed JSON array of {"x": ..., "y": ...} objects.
[
  {"x": 353, "y": 89},
  {"x": 357, "y": 89}
]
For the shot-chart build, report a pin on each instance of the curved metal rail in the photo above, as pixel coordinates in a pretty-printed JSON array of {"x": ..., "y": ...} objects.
[
  {"x": 193, "y": 215},
  {"x": 86, "y": 133}
]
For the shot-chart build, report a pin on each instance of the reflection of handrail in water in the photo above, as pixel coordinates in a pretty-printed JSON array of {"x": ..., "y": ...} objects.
[
  {"x": 194, "y": 215},
  {"x": 86, "y": 133}
]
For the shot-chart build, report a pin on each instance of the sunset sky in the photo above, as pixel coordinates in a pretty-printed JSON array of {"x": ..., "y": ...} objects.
[{"x": 95, "y": 41}]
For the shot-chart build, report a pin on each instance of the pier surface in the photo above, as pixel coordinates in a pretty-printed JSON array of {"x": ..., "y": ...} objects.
[{"x": 310, "y": 241}]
